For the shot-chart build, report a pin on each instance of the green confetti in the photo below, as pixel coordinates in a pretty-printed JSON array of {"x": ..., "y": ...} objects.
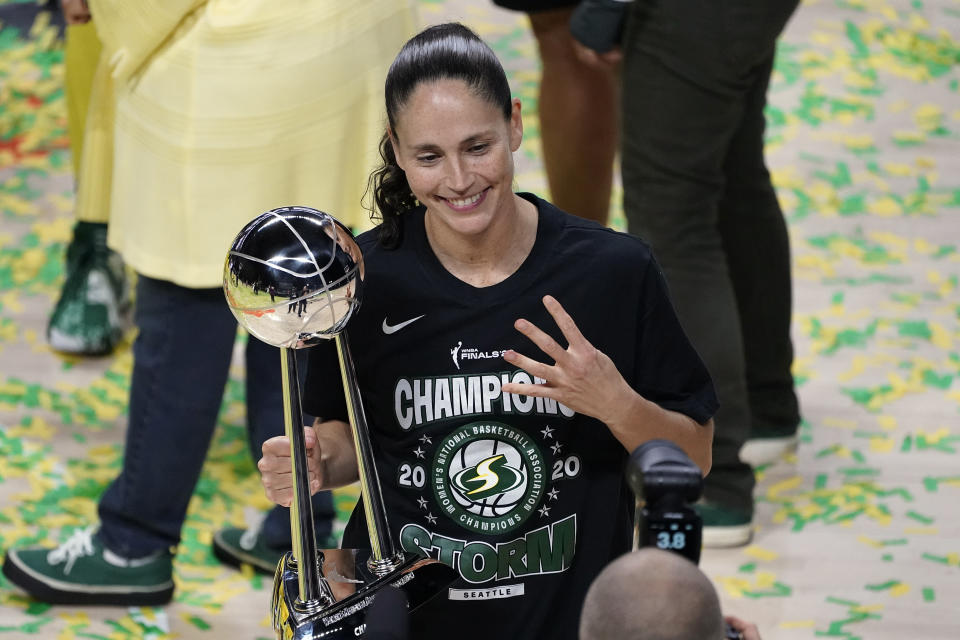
[
  {"x": 932, "y": 484},
  {"x": 894, "y": 542},
  {"x": 883, "y": 586},
  {"x": 932, "y": 379},
  {"x": 936, "y": 558},
  {"x": 929, "y": 595},
  {"x": 778, "y": 590},
  {"x": 920, "y": 518},
  {"x": 29, "y": 627},
  {"x": 860, "y": 471},
  {"x": 842, "y": 602},
  {"x": 37, "y": 608},
  {"x": 915, "y": 329},
  {"x": 199, "y": 623}
]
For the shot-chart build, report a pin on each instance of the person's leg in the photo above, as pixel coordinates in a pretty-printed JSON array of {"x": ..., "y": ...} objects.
[
  {"x": 578, "y": 107},
  {"x": 88, "y": 318},
  {"x": 676, "y": 132},
  {"x": 81, "y": 53},
  {"x": 758, "y": 254},
  {"x": 181, "y": 360}
]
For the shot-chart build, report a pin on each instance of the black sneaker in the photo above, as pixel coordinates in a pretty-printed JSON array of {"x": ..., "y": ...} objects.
[{"x": 81, "y": 571}]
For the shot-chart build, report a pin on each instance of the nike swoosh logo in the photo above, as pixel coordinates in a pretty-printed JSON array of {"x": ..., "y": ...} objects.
[{"x": 388, "y": 329}]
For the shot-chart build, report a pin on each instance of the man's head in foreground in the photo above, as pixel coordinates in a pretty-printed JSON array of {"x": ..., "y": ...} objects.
[{"x": 651, "y": 594}]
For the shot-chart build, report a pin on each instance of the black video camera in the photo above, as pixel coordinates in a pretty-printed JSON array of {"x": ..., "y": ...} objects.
[{"x": 666, "y": 483}]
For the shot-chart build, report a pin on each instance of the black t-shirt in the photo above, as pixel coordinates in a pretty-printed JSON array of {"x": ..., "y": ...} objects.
[{"x": 524, "y": 497}]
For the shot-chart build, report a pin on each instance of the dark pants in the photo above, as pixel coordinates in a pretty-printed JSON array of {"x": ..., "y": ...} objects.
[
  {"x": 181, "y": 362},
  {"x": 695, "y": 78}
]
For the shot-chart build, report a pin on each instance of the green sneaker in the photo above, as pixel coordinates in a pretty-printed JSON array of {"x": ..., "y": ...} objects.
[
  {"x": 237, "y": 547},
  {"x": 88, "y": 319},
  {"x": 82, "y": 572},
  {"x": 724, "y": 527}
]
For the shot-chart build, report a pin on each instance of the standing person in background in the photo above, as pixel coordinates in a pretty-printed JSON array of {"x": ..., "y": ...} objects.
[
  {"x": 696, "y": 187},
  {"x": 223, "y": 110},
  {"x": 88, "y": 318},
  {"x": 578, "y": 107}
]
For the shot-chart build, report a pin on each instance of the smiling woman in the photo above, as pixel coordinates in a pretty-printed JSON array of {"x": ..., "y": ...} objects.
[
  {"x": 456, "y": 150},
  {"x": 505, "y": 467}
]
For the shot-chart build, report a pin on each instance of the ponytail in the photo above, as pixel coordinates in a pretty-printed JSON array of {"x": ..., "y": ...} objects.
[{"x": 391, "y": 195}]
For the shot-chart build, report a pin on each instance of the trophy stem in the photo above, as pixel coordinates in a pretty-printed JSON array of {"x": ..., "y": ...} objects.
[
  {"x": 312, "y": 588},
  {"x": 384, "y": 555}
]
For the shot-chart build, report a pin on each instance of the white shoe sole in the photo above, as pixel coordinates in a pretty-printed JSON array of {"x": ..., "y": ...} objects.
[
  {"x": 761, "y": 451},
  {"x": 725, "y": 537}
]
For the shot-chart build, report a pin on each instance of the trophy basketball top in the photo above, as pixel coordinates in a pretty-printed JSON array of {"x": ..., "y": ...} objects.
[{"x": 293, "y": 276}]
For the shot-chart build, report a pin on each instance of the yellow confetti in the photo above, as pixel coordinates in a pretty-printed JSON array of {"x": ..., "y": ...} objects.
[
  {"x": 59, "y": 230},
  {"x": 922, "y": 531},
  {"x": 887, "y": 422},
  {"x": 838, "y": 423},
  {"x": 858, "y": 142},
  {"x": 734, "y": 587},
  {"x": 79, "y": 618},
  {"x": 885, "y": 206},
  {"x": 857, "y": 367},
  {"x": 874, "y": 513},
  {"x": 900, "y": 590},
  {"x": 867, "y": 608},
  {"x": 37, "y": 427},
  {"x": 928, "y": 117},
  {"x": 882, "y": 444},
  {"x": 798, "y": 624},
  {"x": 876, "y": 544},
  {"x": 909, "y": 136},
  {"x": 898, "y": 169},
  {"x": 760, "y": 553},
  {"x": 940, "y": 336}
]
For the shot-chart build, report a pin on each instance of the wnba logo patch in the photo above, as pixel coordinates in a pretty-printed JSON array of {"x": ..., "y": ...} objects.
[{"x": 488, "y": 477}]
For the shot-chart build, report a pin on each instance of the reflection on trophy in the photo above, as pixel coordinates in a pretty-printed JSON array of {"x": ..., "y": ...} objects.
[{"x": 294, "y": 277}]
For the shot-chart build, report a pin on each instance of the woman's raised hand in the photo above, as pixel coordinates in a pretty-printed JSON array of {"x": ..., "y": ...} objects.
[{"x": 581, "y": 377}]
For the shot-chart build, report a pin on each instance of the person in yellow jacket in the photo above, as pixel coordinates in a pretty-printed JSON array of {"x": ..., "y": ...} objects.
[{"x": 223, "y": 109}]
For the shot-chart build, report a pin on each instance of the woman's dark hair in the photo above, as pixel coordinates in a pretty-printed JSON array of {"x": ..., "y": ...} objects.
[{"x": 448, "y": 51}]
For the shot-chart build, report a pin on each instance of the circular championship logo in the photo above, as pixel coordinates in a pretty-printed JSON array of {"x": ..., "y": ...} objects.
[{"x": 488, "y": 477}]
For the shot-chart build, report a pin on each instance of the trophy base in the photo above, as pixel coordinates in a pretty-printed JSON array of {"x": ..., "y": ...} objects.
[{"x": 353, "y": 586}]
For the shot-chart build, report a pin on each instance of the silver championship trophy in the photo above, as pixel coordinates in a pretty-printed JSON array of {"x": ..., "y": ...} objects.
[{"x": 294, "y": 277}]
